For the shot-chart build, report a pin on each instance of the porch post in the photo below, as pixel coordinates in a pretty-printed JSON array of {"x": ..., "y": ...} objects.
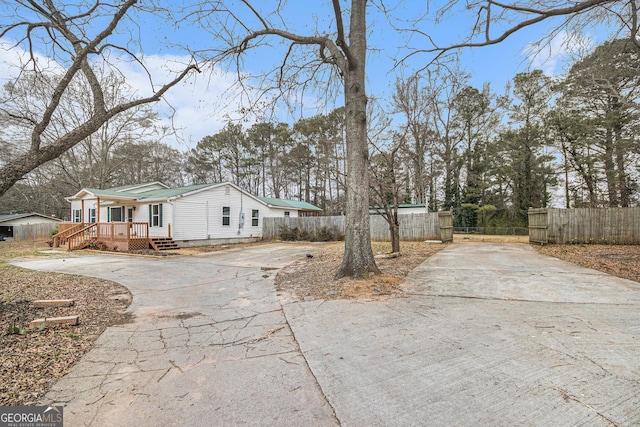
[
  {"x": 82, "y": 211},
  {"x": 98, "y": 208},
  {"x": 169, "y": 230}
]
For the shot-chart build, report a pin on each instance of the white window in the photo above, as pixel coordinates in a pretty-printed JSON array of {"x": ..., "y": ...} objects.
[
  {"x": 155, "y": 215},
  {"x": 287, "y": 214},
  {"x": 92, "y": 215},
  {"x": 255, "y": 217},
  {"x": 77, "y": 215},
  {"x": 226, "y": 215}
]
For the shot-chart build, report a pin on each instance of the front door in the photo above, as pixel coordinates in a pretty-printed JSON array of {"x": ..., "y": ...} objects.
[{"x": 130, "y": 214}]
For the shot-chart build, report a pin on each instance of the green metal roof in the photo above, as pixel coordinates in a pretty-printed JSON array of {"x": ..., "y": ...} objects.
[
  {"x": 169, "y": 192},
  {"x": 293, "y": 204},
  {"x": 110, "y": 192},
  {"x": 121, "y": 191}
]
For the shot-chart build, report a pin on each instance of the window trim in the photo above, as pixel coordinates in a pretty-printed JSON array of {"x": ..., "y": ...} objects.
[
  {"x": 77, "y": 215},
  {"x": 255, "y": 218},
  {"x": 155, "y": 215},
  {"x": 110, "y": 212},
  {"x": 91, "y": 215},
  {"x": 226, "y": 215}
]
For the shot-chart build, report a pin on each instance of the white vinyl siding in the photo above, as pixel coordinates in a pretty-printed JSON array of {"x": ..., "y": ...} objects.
[
  {"x": 163, "y": 216},
  {"x": 199, "y": 215}
]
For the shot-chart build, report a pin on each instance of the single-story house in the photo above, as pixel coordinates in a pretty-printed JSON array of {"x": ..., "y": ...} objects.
[
  {"x": 192, "y": 215},
  {"x": 8, "y": 222}
]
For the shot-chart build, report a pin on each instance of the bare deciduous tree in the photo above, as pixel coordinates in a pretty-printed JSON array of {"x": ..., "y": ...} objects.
[
  {"x": 334, "y": 50},
  {"x": 495, "y": 21},
  {"x": 76, "y": 40}
]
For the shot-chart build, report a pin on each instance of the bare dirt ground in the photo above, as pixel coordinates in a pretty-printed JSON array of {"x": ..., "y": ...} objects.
[
  {"x": 32, "y": 360},
  {"x": 617, "y": 260},
  {"x": 313, "y": 278}
]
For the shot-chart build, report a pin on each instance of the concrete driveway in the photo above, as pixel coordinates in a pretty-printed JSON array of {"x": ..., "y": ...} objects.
[
  {"x": 209, "y": 345},
  {"x": 487, "y": 334}
]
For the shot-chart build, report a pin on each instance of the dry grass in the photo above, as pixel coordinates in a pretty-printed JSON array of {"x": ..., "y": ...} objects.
[{"x": 617, "y": 260}]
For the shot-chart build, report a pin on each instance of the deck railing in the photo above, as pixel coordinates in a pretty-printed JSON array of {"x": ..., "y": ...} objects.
[
  {"x": 66, "y": 230},
  {"x": 106, "y": 232},
  {"x": 122, "y": 230},
  {"x": 82, "y": 237}
]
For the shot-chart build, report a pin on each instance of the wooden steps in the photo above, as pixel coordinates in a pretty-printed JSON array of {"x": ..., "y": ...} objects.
[
  {"x": 163, "y": 243},
  {"x": 84, "y": 244}
]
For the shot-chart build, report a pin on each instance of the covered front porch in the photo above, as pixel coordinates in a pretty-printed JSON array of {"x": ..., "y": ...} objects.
[{"x": 114, "y": 236}]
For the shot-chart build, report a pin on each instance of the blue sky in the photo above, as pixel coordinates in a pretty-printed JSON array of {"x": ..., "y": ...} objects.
[{"x": 203, "y": 104}]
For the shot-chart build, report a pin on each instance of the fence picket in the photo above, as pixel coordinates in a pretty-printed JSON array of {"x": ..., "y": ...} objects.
[
  {"x": 416, "y": 227},
  {"x": 585, "y": 225},
  {"x": 33, "y": 232}
]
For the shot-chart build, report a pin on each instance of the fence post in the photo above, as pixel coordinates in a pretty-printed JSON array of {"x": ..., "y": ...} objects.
[{"x": 445, "y": 221}]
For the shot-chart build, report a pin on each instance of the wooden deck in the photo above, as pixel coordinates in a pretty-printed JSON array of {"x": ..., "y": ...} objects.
[{"x": 115, "y": 236}]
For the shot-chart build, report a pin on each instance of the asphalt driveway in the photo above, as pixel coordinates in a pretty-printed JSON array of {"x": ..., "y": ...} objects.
[{"x": 487, "y": 334}]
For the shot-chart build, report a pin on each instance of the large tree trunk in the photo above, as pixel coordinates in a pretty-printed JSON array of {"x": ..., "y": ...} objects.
[
  {"x": 394, "y": 228},
  {"x": 623, "y": 187},
  {"x": 358, "y": 258},
  {"x": 609, "y": 168}
]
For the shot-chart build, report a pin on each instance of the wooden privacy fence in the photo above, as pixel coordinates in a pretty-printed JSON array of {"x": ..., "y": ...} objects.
[
  {"x": 33, "y": 231},
  {"x": 585, "y": 225},
  {"x": 417, "y": 227}
]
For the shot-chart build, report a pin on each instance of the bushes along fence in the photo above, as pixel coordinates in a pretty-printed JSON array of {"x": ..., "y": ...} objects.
[{"x": 417, "y": 227}]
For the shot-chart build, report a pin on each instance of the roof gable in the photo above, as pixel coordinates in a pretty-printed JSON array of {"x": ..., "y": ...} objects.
[
  {"x": 4, "y": 218},
  {"x": 167, "y": 193}
]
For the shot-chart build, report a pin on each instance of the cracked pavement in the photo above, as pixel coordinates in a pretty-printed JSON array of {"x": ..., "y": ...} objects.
[
  {"x": 486, "y": 334},
  {"x": 208, "y": 345}
]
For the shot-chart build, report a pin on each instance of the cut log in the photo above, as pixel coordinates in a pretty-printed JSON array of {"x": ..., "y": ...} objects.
[
  {"x": 388, "y": 256},
  {"x": 52, "y": 303},
  {"x": 65, "y": 320}
]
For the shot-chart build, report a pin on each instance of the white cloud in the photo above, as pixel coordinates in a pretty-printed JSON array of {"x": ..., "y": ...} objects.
[
  {"x": 198, "y": 106},
  {"x": 553, "y": 55}
]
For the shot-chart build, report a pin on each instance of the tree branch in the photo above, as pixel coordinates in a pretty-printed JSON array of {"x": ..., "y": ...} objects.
[
  {"x": 341, "y": 41},
  {"x": 539, "y": 16}
]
